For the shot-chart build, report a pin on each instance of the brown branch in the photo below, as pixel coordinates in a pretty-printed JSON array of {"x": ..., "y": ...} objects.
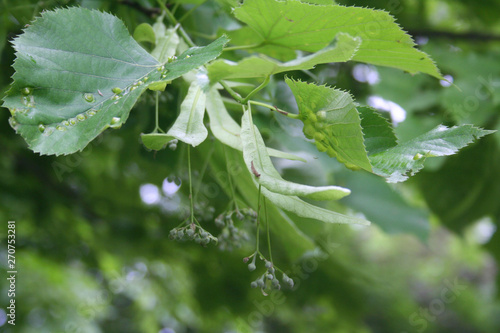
[
  {"x": 135, "y": 5},
  {"x": 468, "y": 36}
]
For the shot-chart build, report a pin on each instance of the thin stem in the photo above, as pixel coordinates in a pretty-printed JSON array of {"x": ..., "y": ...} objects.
[
  {"x": 257, "y": 89},
  {"x": 312, "y": 75},
  {"x": 241, "y": 47},
  {"x": 258, "y": 221},
  {"x": 190, "y": 185},
  {"x": 157, "y": 123},
  {"x": 173, "y": 20},
  {"x": 230, "y": 180},
  {"x": 183, "y": 17},
  {"x": 268, "y": 234},
  {"x": 171, "y": 16},
  {"x": 231, "y": 92},
  {"x": 186, "y": 37},
  {"x": 176, "y": 6},
  {"x": 230, "y": 101},
  {"x": 203, "y": 170},
  {"x": 200, "y": 34},
  {"x": 274, "y": 108}
]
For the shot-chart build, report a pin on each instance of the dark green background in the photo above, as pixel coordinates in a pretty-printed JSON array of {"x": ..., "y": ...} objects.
[{"x": 92, "y": 257}]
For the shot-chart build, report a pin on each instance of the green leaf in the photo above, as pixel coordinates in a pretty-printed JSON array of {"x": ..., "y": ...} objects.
[
  {"x": 259, "y": 163},
  {"x": 341, "y": 49},
  {"x": 156, "y": 141},
  {"x": 378, "y": 132},
  {"x": 73, "y": 81},
  {"x": 144, "y": 33},
  {"x": 331, "y": 119},
  {"x": 227, "y": 130},
  {"x": 304, "y": 209},
  {"x": 404, "y": 160},
  {"x": 193, "y": 58},
  {"x": 189, "y": 127},
  {"x": 301, "y": 26}
]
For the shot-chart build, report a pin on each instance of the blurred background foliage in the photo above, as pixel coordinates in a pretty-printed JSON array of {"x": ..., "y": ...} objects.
[{"x": 93, "y": 253}]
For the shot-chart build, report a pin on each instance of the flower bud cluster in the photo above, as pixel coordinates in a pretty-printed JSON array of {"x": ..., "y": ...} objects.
[
  {"x": 172, "y": 144},
  {"x": 192, "y": 232},
  {"x": 231, "y": 236},
  {"x": 269, "y": 279}
]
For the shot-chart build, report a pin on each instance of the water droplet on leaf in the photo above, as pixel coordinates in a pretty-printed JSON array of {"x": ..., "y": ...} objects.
[
  {"x": 60, "y": 128},
  {"x": 41, "y": 128},
  {"x": 417, "y": 157},
  {"x": 115, "y": 120},
  {"x": 72, "y": 121},
  {"x": 80, "y": 117},
  {"x": 65, "y": 123},
  {"x": 12, "y": 122},
  {"x": 26, "y": 91}
]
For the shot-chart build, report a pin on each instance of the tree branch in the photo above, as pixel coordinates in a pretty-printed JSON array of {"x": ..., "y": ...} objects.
[
  {"x": 468, "y": 36},
  {"x": 135, "y": 5}
]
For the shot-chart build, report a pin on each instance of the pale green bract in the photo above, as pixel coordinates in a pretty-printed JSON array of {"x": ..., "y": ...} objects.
[
  {"x": 189, "y": 127},
  {"x": 227, "y": 130},
  {"x": 259, "y": 163},
  {"x": 67, "y": 76},
  {"x": 295, "y": 25},
  {"x": 342, "y": 49},
  {"x": 166, "y": 43},
  {"x": 283, "y": 193},
  {"x": 301, "y": 208}
]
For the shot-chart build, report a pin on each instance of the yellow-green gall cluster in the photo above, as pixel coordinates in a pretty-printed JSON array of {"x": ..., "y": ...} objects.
[{"x": 317, "y": 128}]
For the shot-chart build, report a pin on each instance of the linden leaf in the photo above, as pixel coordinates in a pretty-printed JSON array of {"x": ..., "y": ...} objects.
[
  {"x": 73, "y": 81},
  {"x": 295, "y": 25},
  {"x": 398, "y": 163}
]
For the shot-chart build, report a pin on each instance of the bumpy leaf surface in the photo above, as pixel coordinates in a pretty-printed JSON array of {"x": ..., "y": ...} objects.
[
  {"x": 331, "y": 119},
  {"x": 73, "y": 81}
]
